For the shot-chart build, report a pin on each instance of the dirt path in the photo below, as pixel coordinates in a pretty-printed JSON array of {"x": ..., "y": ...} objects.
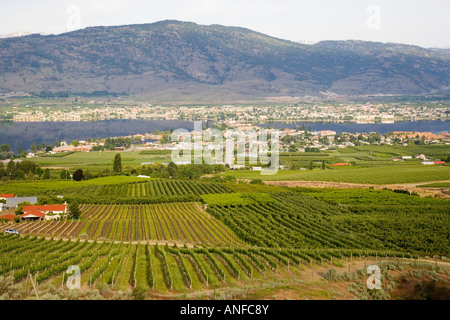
[{"x": 412, "y": 187}]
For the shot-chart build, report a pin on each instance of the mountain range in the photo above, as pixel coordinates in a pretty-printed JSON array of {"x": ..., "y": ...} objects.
[{"x": 184, "y": 59}]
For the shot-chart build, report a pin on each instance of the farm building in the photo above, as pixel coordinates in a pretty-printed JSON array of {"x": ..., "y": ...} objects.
[
  {"x": 327, "y": 133},
  {"x": 32, "y": 216},
  {"x": 421, "y": 156},
  {"x": 14, "y": 202},
  {"x": 45, "y": 212},
  {"x": 427, "y": 162}
]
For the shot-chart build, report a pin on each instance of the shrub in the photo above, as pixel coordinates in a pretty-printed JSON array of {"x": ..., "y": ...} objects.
[
  {"x": 138, "y": 293},
  {"x": 332, "y": 275},
  {"x": 9, "y": 290}
]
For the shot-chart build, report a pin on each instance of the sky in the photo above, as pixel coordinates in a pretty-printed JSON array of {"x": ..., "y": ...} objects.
[{"x": 418, "y": 22}]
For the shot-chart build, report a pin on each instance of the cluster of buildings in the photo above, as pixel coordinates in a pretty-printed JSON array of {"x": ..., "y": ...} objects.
[
  {"x": 43, "y": 114},
  {"x": 360, "y": 113},
  {"x": 31, "y": 212},
  {"x": 142, "y": 142}
]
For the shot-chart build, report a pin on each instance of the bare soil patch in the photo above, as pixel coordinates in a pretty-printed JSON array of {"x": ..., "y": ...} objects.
[{"x": 411, "y": 187}]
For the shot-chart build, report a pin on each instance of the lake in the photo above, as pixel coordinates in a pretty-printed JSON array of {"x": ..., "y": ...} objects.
[
  {"x": 22, "y": 134},
  {"x": 433, "y": 126}
]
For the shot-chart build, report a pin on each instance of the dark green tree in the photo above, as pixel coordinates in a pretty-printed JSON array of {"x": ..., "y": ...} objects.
[
  {"x": 27, "y": 165},
  {"x": 39, "y": 171},
  {"x": 74, "y": 210},
  {"x": 64, "y": 175},
  {"x": 34, "y": 147},
  {"x": 2, "y": 170},
  {"x": 172, "y": 169},
  {"x": 30, "y": 175},
  {"x": 46, "y": 175},
  {"x": 88, "y": 176},
  {"x": 117, "y": 165},
  {"x": 323, "y": 165},
  {"x": 11, "y": 169},
  {"x": 5, "y": 148},
  {"x": 311, "y": 165},
  {"x": 20, "y": 206},
  {"x": 78, "y": 175},
  {"x": 20, "y": 175}
]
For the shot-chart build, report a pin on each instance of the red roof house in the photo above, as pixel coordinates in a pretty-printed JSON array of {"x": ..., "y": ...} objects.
[
  {"x": 8, "y": 216},
  {"x": 6, "y": 196},
  {"x": 439, "y": 162},
  {"x": 33, "y": 215},
  {"x": 40, "y": 212},
  {"x": 47, "y": 208}
]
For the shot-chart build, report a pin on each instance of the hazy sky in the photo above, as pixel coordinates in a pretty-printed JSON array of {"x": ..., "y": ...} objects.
[{"x": 420, "y": 22}]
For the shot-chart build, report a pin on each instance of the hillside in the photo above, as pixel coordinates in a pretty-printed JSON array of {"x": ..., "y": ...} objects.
[{"x": 172, "y": 58}]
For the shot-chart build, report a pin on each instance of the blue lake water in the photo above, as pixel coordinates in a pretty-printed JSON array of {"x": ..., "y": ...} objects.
[
  {"x": 22, "y": 134},
  {"x": 433, "y": 126}
]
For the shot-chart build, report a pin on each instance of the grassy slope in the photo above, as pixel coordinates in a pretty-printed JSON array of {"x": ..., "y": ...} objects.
[
  {"x": 39, "y": 186},
  {"x": 98, "y": 161}
]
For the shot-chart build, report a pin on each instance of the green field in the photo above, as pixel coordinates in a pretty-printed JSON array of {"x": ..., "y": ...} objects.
[
  {"x": 41, "y": 187},
  {"x": 366, "y": 155},
  {"x": 362, "y": 156},
  {"x": 375, "y": 175},
  {"x": 99, "y": 161}
]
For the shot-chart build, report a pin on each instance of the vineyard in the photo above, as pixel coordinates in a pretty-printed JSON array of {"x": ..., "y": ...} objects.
[
  {"x": 297, "y": 220},
  {"x": 178, "y": 222},
  {"x": 152, "y": 191},
  {"x": 152, "y": 188},
  {"x": 156, "y": 267},
  {"x": 137, "y": 235}
]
